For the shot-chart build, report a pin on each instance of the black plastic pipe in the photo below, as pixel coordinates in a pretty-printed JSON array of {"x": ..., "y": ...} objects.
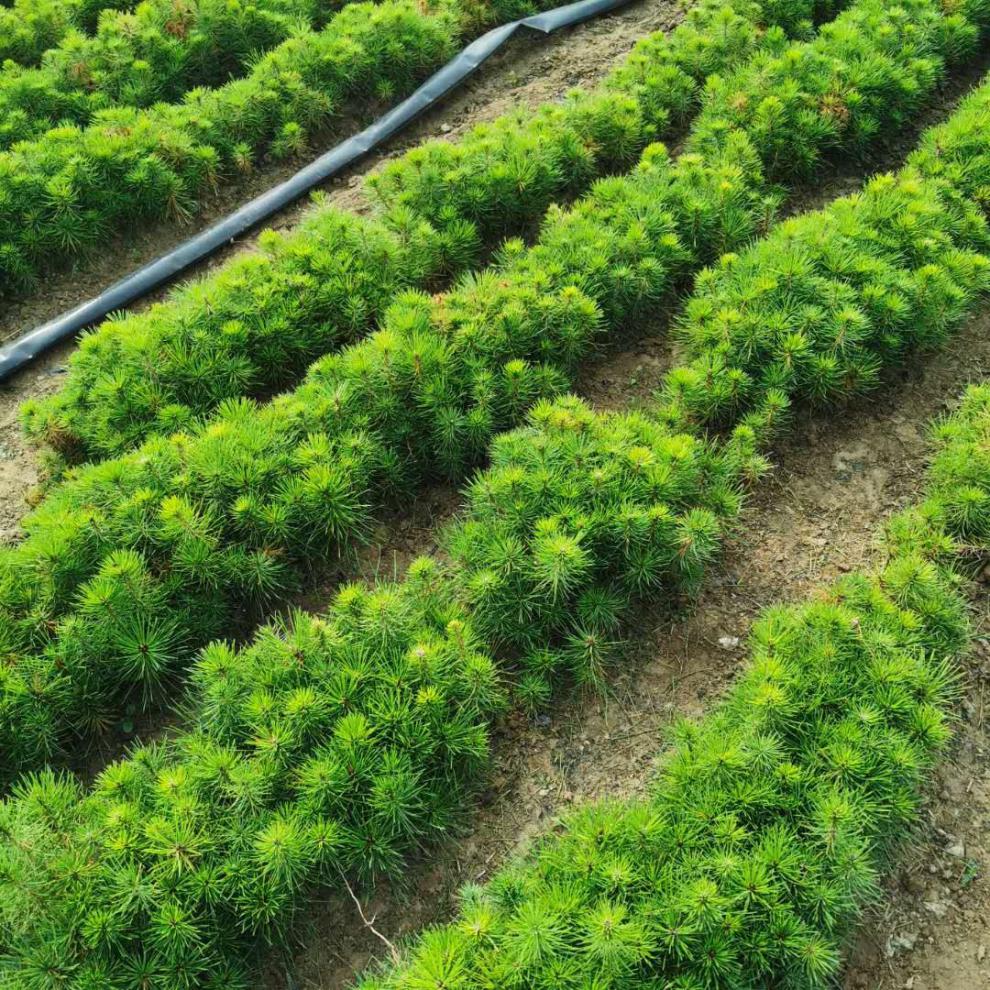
[{"x": 129, "y": 289}]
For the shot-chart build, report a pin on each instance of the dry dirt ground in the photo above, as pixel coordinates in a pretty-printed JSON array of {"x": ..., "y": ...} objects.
[{"x": 836, "y": 479}]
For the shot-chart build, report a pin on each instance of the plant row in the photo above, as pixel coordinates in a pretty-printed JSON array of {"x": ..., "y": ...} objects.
[
  {"x": 339, "y": 745},
  {"x": 255, "y": 325},
  {"x": 156, "y": 372},
  {"x": 28, "y": 28},
  {"x": 66, "y": 192},
  {"x": 344, "y": 743},
  {"x": 821, "y": 326},
  {"x": 131, "y": 565},
  {"x": 244, "y": 331},
  {"x": 156, "y": 52},
  {"x": 771, "y": 820}
]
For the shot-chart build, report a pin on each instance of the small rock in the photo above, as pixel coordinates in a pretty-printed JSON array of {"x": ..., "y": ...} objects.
[
  {"x": 956, "y": 850},
  {"x": 909, "y": 983},
  {"x": 544, "y": 791},
  {"x": 939, "y": 908},
  {"x": 904, "y": 942},
  {"x": 446, "y": 128},
  {"x": 981, "y": 953},
  {"x": 728, "y": 642}
]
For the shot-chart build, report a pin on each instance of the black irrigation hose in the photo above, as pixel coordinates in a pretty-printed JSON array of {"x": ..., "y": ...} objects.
[{"x": 121, "y": 294}]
